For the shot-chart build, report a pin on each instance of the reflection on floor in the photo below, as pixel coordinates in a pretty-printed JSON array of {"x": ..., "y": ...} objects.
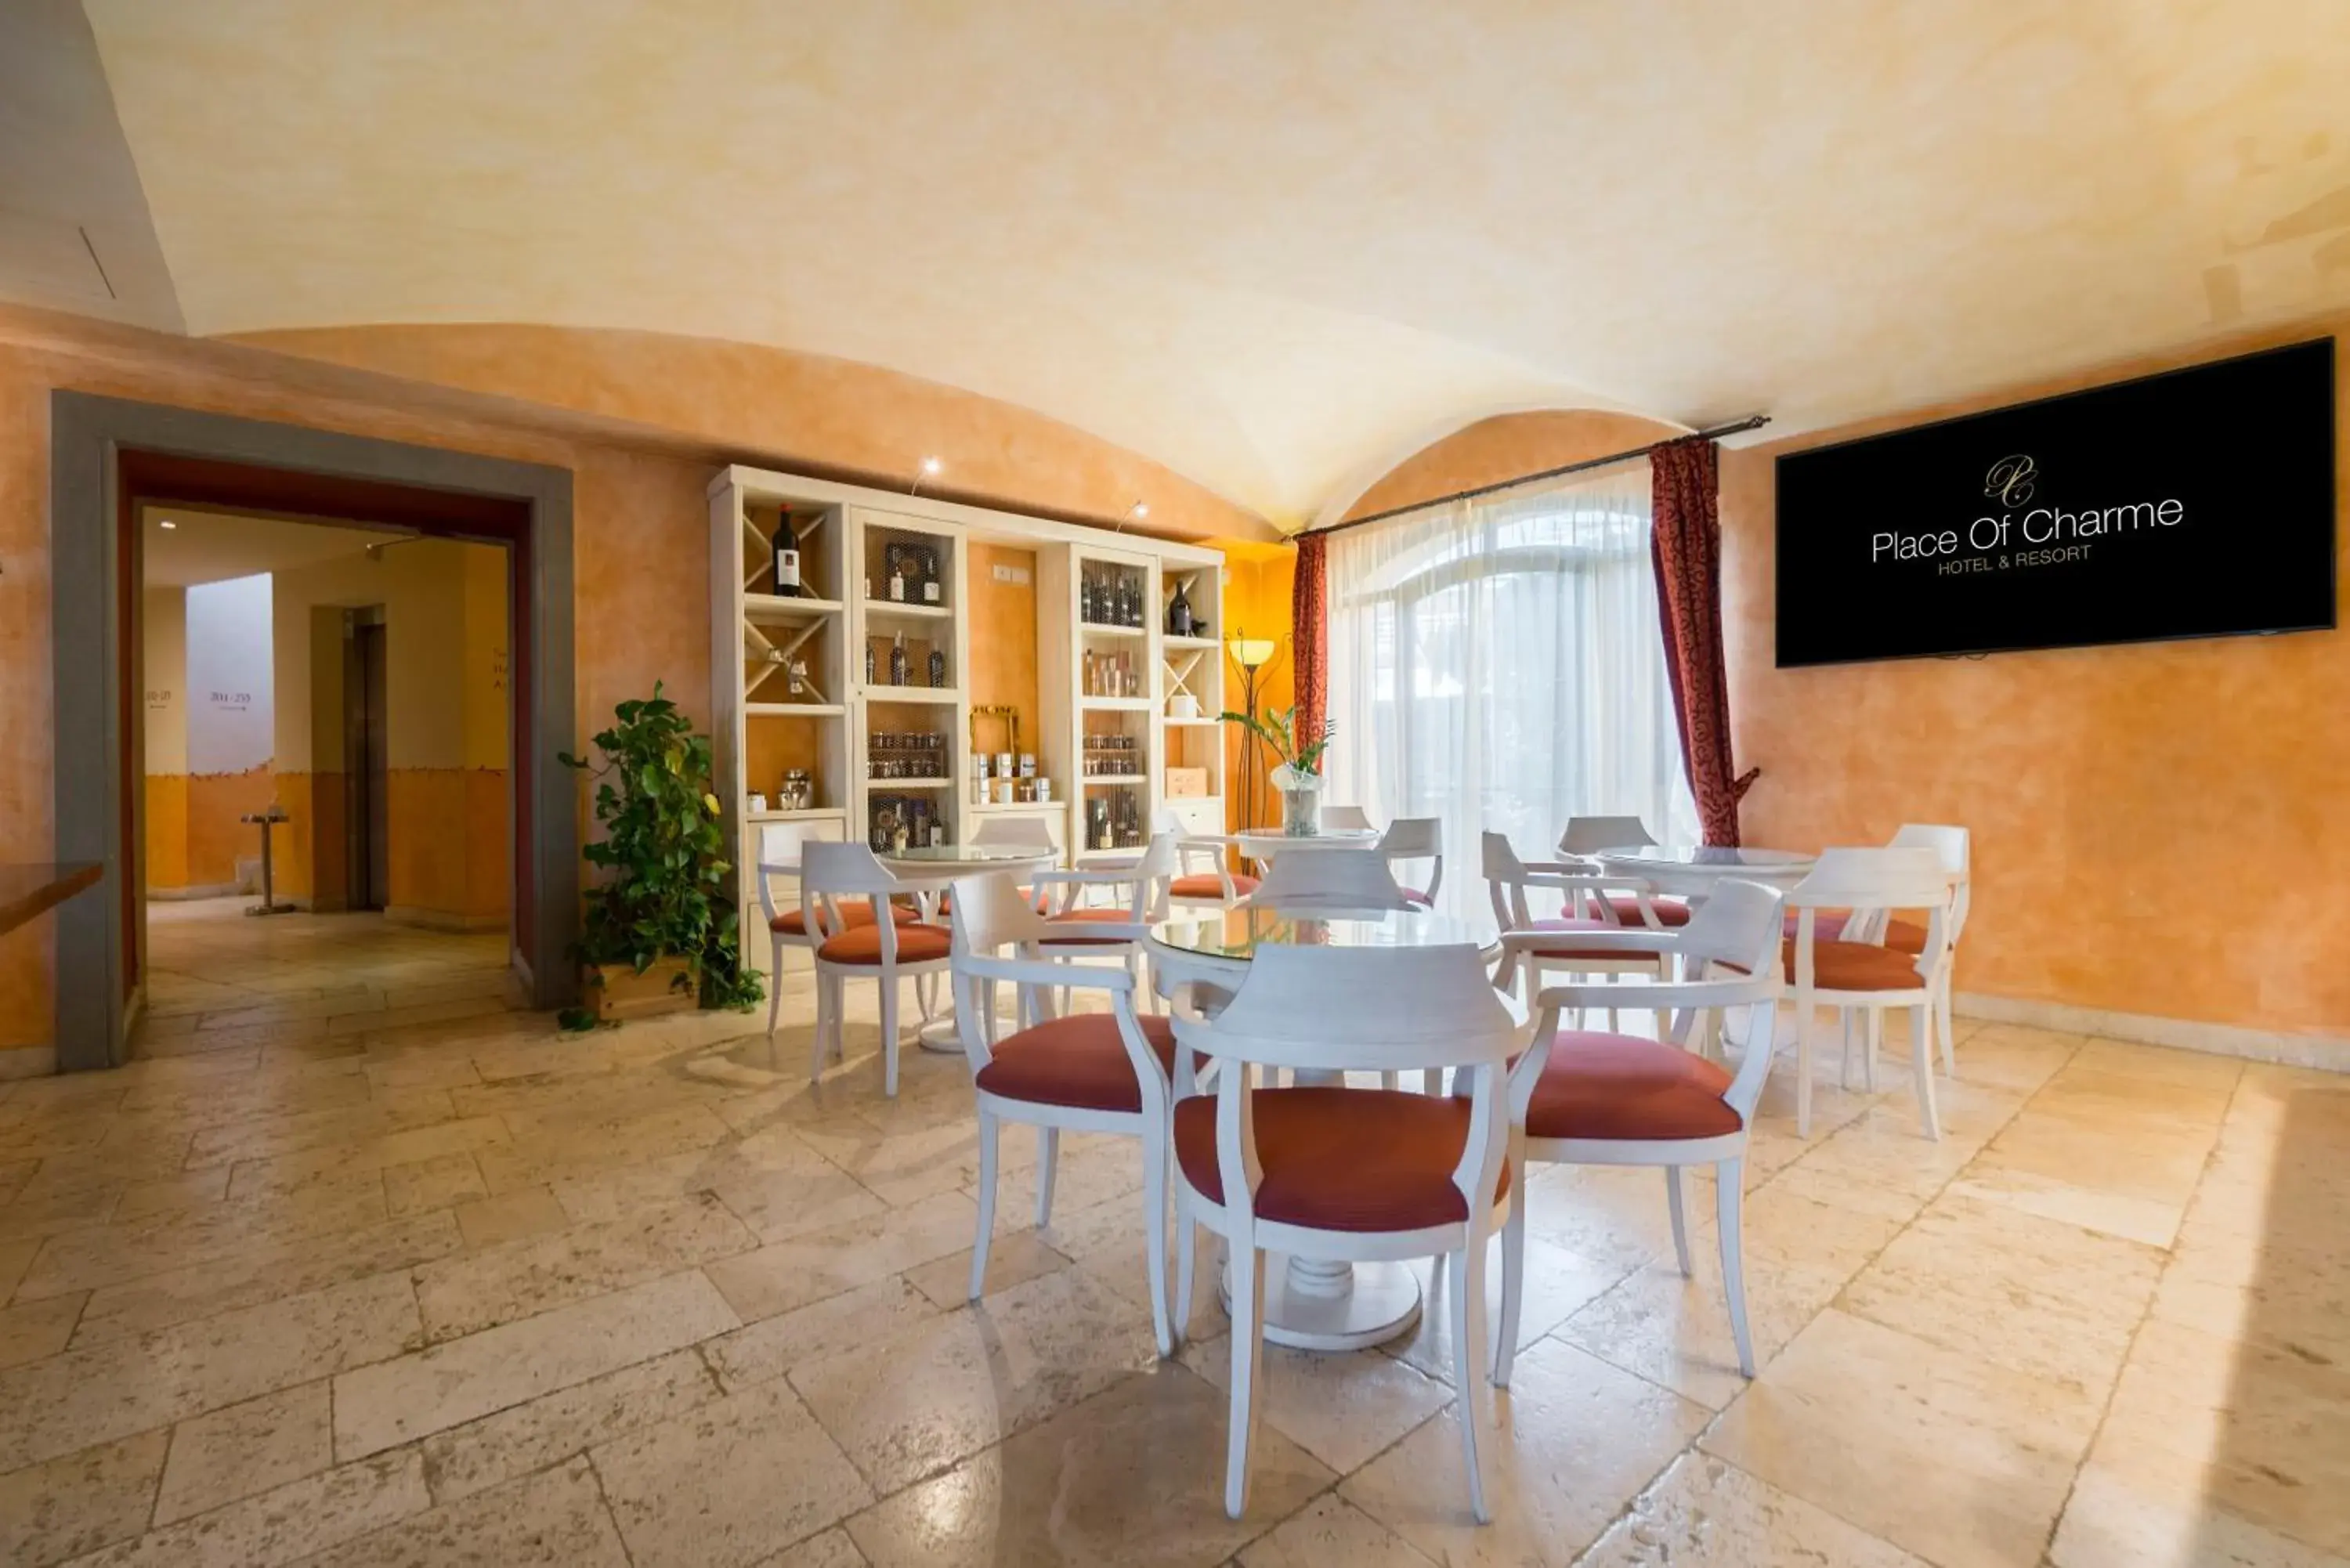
[{"x": 416, "y": 1281}]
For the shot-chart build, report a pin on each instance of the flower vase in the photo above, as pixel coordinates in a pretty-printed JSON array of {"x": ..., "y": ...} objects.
[{"x": 1300, "y": 801}]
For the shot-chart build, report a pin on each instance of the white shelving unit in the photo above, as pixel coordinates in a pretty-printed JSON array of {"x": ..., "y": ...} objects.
[
  {"x": 1193, "y": 667},
  {"x": 844, "y": 535}
]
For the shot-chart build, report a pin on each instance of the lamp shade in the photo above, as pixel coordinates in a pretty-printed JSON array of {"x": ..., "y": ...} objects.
[{"x": 1252, "y": 652}]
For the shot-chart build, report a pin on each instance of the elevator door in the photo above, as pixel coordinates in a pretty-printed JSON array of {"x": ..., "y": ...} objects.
[{"x": 369, "y": 766}]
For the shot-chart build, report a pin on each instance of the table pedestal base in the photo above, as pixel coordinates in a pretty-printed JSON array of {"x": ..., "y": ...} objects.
[{"x": 1313, "y": 1305}]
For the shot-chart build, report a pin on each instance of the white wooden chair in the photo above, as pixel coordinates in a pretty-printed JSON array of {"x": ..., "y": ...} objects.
[
  {"x": 779, "y": 856},
  {"x": 1864, "y": 976},
  {"x": 878, "y": 947},
  {"x": 1508, "y": 881},
  {"x": 1202, "y": 881},
  {"x": 1421, "y": 1175},
  {"x": 1623, "y": 1099},
  {"x": 1083, "y": 1072},
  {"x": 1107, "y": 932},
  {"x": 1416, "y": 839},
  {"x": 1586, "y": 838},
  {"x": 1346, "y": 819},
  {"x": 1329, "y": 879}
]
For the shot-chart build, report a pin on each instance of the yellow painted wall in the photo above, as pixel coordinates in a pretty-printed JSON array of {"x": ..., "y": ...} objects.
[
  {"x": 1256, "y": 604},
  {"x": 163, "y": 677},
  {"x": 1003, "y": 639}
]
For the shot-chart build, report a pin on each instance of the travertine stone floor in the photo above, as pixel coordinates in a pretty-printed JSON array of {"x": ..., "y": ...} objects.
[{"x": 355, "y": 1266}]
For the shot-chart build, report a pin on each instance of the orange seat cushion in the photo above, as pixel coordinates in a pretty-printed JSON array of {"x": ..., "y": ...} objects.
[
  {"x": 1340, "y": 1159},
  {"x": 1569, "y": 950},
  {"x": 1079, "y": 1061},
  {"x": 1669, "y": 912},
  {"x": 791, "y": 923},
  {"x": 1858, "y": 966},
  {"x": 1414, "y": 896},
  {"x": 1204, "y": 885},
  {"x": 1827, "y": 926},
  {"x": 1620, "y": 1086},
  {"x": 862, "y": 944},
  {"x": 1079, "y": 917}
]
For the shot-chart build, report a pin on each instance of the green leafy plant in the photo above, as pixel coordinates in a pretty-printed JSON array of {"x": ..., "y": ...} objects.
[
  {"x": 1278, "y": 729},
  {"x": 662, "y": 855}
]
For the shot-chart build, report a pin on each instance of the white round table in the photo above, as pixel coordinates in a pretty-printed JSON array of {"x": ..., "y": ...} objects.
[
  {"x": 1693, "y": 874},
  {"x": 926, "y": 871},
  {"x": 1314, "y": 1304},
  {"x": 1266, "y": 847}
]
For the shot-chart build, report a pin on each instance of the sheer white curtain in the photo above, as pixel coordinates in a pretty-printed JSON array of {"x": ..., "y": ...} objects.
[{"x": 1497, "y": 664}]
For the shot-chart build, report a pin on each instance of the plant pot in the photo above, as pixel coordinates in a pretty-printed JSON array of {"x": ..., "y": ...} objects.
[
  {"x": 1300, "y": 801},
  {"x": 621, "y": 993}
]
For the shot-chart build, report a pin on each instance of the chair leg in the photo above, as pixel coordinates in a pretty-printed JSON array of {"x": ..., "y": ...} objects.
[
  {"x": 1048, "y": 1157},
  {"x": 1943, "y": 1023},
  {"x": 1469, "y": 1360},
  {"x": 1804, "y": 1012},
  {"x": 1247, "y": 1267},
  {"x": 1514, "y": 1283},
  {"x": 1680, "y": 1222},
  {"x": 1875, "y": 1043},
  {"x": 1921, "y": 1057},
  {"x": 827, "y": 1018},
  {"x": 1154, "y": 1233},
  {"x": 987, "y": 1130},
  {"x": 1187, "y": 1247},
  {"x": 1844, "y": 1062},
  {"x": 889, "y": 1035},
  {"x": 1728, "y": 1212},
  {"x": 774, "y": 989}
]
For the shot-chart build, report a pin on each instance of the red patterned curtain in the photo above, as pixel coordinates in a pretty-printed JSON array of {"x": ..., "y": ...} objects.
[
  {"x": 1309, "y": 624},
  {"x": 1686, "y": 546}
]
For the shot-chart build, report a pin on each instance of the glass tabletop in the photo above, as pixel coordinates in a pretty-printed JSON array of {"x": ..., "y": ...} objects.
[
  {"x": 1271, "y": 842},
  {"x": 1708, "y": 857},
  {"x": 966, "y": 854},
  {"x": 1237, "y": 933}
]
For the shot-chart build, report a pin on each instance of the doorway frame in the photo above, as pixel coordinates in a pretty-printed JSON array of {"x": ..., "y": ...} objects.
[{"x": 89, "y": 438}]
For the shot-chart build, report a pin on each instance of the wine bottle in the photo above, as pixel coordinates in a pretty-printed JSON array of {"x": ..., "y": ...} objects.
[
  {"x": 898, "y": 659},
  {"x": 868, "y": 661},
  {"x": 938, "y": 667},
  {"x": 931, "y": 592},
  {"x": 784, "y": 559},
  {"x": 1179, "y": 614}
]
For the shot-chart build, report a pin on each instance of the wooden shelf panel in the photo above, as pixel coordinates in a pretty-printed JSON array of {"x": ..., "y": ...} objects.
[
  {"x": 813, "y": 813},
  {"x": 1202, "y": 644},
  {"x": 774, "y": 607},
  {"x": 894, "y": 609},
  {"x": 1120, "y": 779},
  {"x": 1203, "y": 722},
  {"x": 792, "y": 710},
  {"x": 1117, "y": 704},
  {"x": 1110, "y": 628},
  {"x": 942, "y": 694},
  {"x": 889, "y": 787}
]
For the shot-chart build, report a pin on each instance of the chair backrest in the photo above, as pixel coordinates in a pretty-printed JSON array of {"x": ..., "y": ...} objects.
[
  {"x": 1346, "y": 819},
  {"x": 1014, "y": 832},
  {"x": 1741, "y": 925},
  {"x": 1330, "y": 878},
  {"x": 851, "y": 868},
  {"x": 1505, "y": 881},
  {"x": 779, "y": 853},
  {"x": 1376, "y": 1009},
  {"x": 989, "y": 914},
  {"x": 1416, "y": 839},
  {"x": 1956, "y": 846},
  {"x": 1872, "y": 878},
  {"x": 1592, "y": 835}
]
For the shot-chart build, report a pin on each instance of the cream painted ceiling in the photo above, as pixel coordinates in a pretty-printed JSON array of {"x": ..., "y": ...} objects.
[
  {"x": 203, "y": 547},
  {"x": 1275, "y": 244}
]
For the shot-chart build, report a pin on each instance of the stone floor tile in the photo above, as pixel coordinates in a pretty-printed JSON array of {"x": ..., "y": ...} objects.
[
  {"x": 79, "y": 1503},
  {"x": 241, "y": 1449},
  {"x": 554, "y": 1519},
  {"x": 837, "y": 1325},
  {"x": 787, "y": 1274},
  {"x": 1342, "y": 1409},
  {"x": 546, "y": 1430},
  {"x": 33, "y": 1329},
  {"x": 499, "y": 1284},
  {"x": 1705, "y": 1513},
  {"x": 1329, "y": 1530}
]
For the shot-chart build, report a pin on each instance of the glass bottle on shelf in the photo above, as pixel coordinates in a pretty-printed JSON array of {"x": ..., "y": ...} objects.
[
  {"x": 938, "y": 667},
  {"x": 1089, "y": 599},
  {"x": 868, "y": 661},
  {"x": 796, "y": 677},
  {"x": 931, "y": 592},
  {"x": 784, "y": 559},
  {"x": 898, "y": 659},
  {"x": 1179, "y": 613}
]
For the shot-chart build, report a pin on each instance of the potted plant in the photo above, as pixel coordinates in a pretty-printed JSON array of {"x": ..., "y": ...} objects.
[
  {"x": 660, "y": 933},
  {"x": 1299, "y": 776}
]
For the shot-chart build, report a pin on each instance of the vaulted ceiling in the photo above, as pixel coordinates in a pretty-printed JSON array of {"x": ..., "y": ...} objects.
[{"x": 1275, "y": 244}]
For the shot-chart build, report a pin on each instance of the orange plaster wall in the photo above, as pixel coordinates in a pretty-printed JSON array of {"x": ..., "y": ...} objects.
[
  {"x": 1003, "y": 637},
  {"x": 1256, "y": 604},
  {"x": 167, "y": 830},
  {"x": 2157, "y": 829},
  {"x": 641, "y": 529},
  {"x": 215, "y": 838}
]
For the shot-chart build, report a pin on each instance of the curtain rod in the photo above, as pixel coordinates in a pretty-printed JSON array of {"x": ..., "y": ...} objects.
[{"x": 1750, "y": 422}]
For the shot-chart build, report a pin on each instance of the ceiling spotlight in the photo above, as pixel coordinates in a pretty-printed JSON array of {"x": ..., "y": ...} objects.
[
  {"x": 930, "y": 466},
  {"x": 167, "y": 522},
  {"x": 1141, "y": 509}
]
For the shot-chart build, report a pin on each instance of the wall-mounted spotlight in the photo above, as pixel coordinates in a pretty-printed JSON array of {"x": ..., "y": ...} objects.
[{"x": 165, "y": 523}]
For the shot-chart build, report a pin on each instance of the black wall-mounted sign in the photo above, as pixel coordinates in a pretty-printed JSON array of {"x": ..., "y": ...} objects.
[{"x": 2198, "y": 502}]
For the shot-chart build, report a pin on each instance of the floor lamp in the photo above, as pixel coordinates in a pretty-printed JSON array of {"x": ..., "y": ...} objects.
[{"x": 1253, "y": 657}]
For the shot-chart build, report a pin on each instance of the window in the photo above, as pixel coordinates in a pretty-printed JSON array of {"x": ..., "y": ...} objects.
[{"x": 1497, "y": 664}]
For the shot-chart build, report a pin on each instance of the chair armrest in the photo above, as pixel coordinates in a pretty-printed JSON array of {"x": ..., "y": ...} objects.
[
  {"x": 1673, "y": 995},
  {"x": 1612, "y": 939},
  {"x": 1043, "y": 971},
  {"x": 1100, "y": 931}
]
